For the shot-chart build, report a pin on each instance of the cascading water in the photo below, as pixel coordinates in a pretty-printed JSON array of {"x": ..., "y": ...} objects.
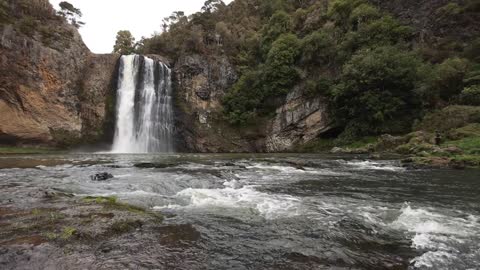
[{"x": 144, "y": 107}]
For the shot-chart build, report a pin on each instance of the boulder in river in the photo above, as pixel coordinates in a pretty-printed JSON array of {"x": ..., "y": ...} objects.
[{"x": 101, "y": 176}]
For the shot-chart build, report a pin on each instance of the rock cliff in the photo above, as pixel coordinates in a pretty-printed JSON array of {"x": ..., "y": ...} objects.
[
  {"x": 52, "y": 89},
  {"x": 298, "y": 121},
  {"x": 200, "y": 84}
]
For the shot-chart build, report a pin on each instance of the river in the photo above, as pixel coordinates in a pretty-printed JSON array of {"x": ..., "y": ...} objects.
[{"x": 285, "y": 211}]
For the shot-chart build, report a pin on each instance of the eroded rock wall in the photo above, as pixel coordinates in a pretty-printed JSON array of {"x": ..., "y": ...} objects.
[
  {"x": 298, "y": 121},
  {"x": 39, "y": 88},
  {"x": 53, "y": 90},
  {"x": 200, "y": 84}
]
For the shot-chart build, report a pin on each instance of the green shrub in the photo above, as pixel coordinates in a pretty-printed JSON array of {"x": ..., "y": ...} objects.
[
  {"x": 241, "y": 102},
  {"x": 279, "y": 23},
  {"x": 28, "y": 25},
  {"x": 472, "y": 77},
  {"x": 376, "y": 86},
  {"x": 471, "y": 95},
  {"x": 449, "y": 10},
  {"x": 317, "y": 48},
  {"x": 364, "y": 13},
  {"x": 314, "y": 88},
  {"x": 280, "y": 73},
  {"x": 4, "y": 12},
  {"x": 471, "y": 130},
  {"x": 446, "y": 80},
  {"x": 382, "y": 32},
  {"x": 340, "y": 11},
  {"x": 449, "y": 118}
]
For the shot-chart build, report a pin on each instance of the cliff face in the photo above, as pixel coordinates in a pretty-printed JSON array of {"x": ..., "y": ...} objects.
[
  {"x": 52, "y": 89},
  {"x": 200, "y": 84},
  {"x": 97, "y": 98},
  {"x": 39, "y": 88},
  {"x": 298, "y": 121}
]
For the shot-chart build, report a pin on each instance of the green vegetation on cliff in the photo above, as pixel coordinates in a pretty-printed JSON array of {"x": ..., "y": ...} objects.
[
  {"x": 379, "y": 73},
  {"x": 379, "y": 66},
  {"x": 37, "y": 19}
]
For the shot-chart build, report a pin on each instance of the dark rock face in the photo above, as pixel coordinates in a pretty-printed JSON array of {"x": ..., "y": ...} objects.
[
  {"x": 201, "y": 83},
  {"x": 98, "y": 98},
  {"x": 101, "y": 176},
  {"x": 298, "y": 121}
]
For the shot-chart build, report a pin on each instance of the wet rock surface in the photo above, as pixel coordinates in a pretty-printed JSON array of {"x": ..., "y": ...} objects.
[{"x": 101, "y": 176}]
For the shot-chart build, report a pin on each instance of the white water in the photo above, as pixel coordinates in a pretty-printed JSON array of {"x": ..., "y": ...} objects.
[{"x": 144, "y": 107}]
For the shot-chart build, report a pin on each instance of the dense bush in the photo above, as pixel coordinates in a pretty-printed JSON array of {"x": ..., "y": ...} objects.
[
  {"x": 278, "y": 24},
  {"x": 274, "y": 78},
  {"x": 376, "y": 86},
  {"x": 4, "y": 10},
  {"x": 241, "y": 103},
  {"x": 349, "y": 51},
  {"x": 280, "y": 74},
  {"x": 317, "y": 87},
  {"x": 446, "y": 82},
  {"x": 471, "y": 95},
  {"x": 28, "y": 25},
  {"x": 317, "y": 48}
]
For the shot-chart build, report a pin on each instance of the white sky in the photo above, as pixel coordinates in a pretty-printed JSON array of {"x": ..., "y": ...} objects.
[{"x": 104, "y": 18}]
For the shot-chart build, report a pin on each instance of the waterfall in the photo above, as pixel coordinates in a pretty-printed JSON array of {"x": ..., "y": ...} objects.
[{"x": 144, "y": 107}]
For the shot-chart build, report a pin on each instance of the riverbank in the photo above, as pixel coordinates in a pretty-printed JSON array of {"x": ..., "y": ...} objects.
[
  {"x": 30, "y": 150},
  {"x": 446, "y": 138}
]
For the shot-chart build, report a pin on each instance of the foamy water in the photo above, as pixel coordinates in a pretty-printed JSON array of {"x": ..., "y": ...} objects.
[{"x": 274, "y": 214}]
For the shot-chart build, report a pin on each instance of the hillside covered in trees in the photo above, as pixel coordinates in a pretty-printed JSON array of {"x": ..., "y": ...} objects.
[{"x": 381, "y": 65}]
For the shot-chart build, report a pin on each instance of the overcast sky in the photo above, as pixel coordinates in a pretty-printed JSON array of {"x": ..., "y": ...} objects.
[{"x": 104, "y": 18}]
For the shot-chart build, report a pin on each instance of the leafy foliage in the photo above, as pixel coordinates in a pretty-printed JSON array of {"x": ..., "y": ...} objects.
[
  {"x": 471, "y": 95},
  {"x": 376, "y": 86},
  {"x": 124, "y": 43},
  {"x": 350, "y": 52},
  {"x": 4, "y": 16},
  {"x": 279, "y": 71},
  {"x": 317, "y": 48},
  {"x": 446, "y": 81},
  {"x": 71, "y": 14}
]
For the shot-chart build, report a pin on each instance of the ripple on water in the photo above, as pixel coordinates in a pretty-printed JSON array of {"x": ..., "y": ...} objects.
[{"x": 445, "y": 240}]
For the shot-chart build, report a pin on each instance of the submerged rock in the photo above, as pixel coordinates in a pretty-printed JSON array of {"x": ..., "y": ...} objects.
[
  {"x": 101, "y": 176},
  {"x": 150, "y": 165}
]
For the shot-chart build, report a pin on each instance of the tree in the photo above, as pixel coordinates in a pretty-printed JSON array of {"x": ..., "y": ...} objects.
[
  {"x": 317, "y": 48},
  {"x": 376, "y": 89},
  {"x": 125, "y": 43},
  {"x": 212, "y": 5},
  {"x": 280, "y": 73},
  {"x": 71, "y": 14},
  {"x": 176, "y": 17},
  {"x": 278, "y": 24},
  {"x": 447, "y": 80}
]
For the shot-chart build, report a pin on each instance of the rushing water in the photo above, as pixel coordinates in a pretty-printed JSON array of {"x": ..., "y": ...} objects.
[
  {"x": 144, "y": 107},
  {"x": 280, "y": 211}
]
